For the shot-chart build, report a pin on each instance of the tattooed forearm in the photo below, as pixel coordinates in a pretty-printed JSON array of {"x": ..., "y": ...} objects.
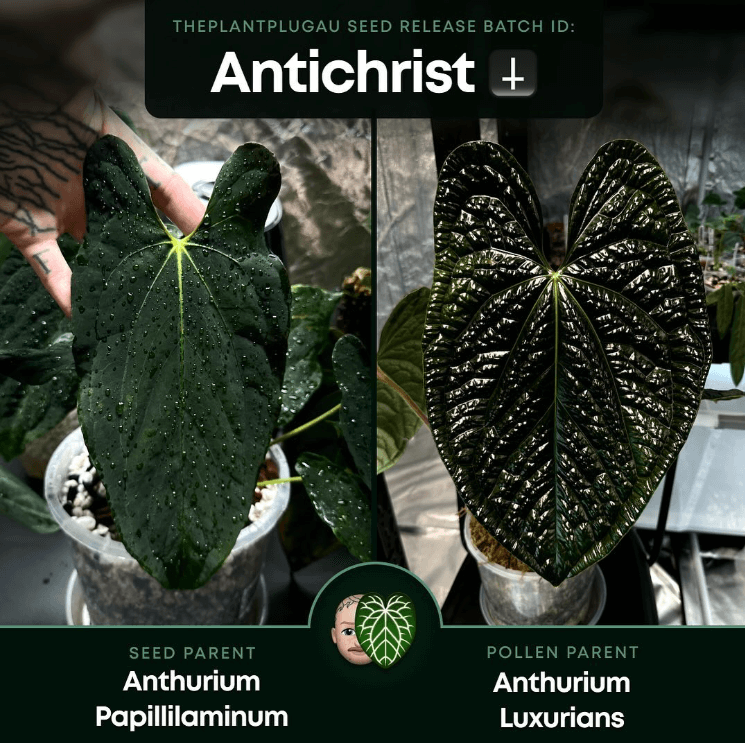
[{"x": 41, "y": 150}]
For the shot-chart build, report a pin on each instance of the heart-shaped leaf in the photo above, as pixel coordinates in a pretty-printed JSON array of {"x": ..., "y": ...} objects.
[
  {"x": 352, "y": 373},
  {"x": 182, "y": 342},
  {"x": 385, "y": 627},
  {"x": 400, "y": 384},
  {"x": 558, "y": 397},
  {"x": 312, "y": 308},
  {"x": 340, "y": 499}
]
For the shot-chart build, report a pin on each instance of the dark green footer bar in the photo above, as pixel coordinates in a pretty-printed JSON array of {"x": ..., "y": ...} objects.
[{"x": 291, "y": 682}]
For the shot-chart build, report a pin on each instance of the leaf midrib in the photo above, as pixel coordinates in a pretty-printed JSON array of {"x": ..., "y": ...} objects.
[{"x": 179, "y": 249}]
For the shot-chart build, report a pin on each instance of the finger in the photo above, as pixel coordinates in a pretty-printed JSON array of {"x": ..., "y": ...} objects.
[
  {"x": 47, "y": 260},
  {"x": 170, "y": 192},
  {"x": 174, "y": 197}
]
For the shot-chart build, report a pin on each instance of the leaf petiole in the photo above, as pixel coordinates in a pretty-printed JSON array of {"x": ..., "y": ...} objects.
[
  {"x": 305, "y": 426},
  {"x": 279, "y": 481}
]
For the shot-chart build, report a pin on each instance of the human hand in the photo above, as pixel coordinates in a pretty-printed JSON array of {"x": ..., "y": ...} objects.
[{"x": 43, "y": 146}]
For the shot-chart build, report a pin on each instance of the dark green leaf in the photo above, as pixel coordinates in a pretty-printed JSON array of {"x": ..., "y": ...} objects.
[
  {"x": 713, "y": 199},
  {"x": 737, "y": 344},
  {"x": 182, "y": 342},
  {"x": 720, "y": 395},
  {"x": 740, "y": 198},
  {"x": 730, "y": 239},
  {"x": 559, "y": 398},
  {"x": 693, "y": 216},
  {"x": 18, "y": 501},
  {"x": 38, "y": 365},
  {"x": 400, "y": 360},
  {"x": 341, "y": 500},
  {"x": 6, "y": 248},
  {"x": 725, "y": 308},
  {"x": 352, "y": 372},
  {"x": 312, "y": 309},
  {"x": 38, "y": 382}
]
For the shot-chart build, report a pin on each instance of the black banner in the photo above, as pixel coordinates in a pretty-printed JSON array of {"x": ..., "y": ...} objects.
[{"x": 388, "y": 59}]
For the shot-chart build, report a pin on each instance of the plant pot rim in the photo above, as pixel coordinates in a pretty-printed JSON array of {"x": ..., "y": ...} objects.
[
  {"x": 494, "y": 567},
  {"x": 74, "y": 444}
]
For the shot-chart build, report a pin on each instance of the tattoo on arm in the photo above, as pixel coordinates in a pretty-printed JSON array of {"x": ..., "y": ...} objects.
[
  {"x": 150, "y": 181},
  {"x": 41, "y": 149},
  {"x": 38, "y": 259}
]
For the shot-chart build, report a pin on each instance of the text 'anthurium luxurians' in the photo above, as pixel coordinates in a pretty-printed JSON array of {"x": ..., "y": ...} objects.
[
  {"x": 559, "y": 396},
  {"x": 182, "y": 344}
]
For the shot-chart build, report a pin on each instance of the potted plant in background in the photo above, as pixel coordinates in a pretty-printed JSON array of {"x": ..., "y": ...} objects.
[
  {"x": 720, "y": 239},
  {"x": 178, "y": 428},
  {"x": 557, "y": 397}
]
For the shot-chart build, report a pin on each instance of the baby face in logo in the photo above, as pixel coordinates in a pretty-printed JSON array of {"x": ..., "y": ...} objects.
[{"x": 343, "y": 633}]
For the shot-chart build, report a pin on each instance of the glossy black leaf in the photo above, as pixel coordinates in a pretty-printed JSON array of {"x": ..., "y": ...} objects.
[
  {"x": 182, "y": 342},
  {"x": 559, "y": 397}
]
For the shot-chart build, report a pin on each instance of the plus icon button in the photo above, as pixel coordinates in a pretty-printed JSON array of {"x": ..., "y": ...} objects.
[{"x": 522, "y": 80}]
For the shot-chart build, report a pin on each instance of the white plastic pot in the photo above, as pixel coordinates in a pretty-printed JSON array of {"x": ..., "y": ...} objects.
[
  {"x": 514, "y": 597},
  {"x": 118, "y": 591}
]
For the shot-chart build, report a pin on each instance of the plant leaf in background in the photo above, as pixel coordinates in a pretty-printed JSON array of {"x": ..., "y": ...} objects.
[
  {"x": 341, "y": 500},
  {"x": 312, "y": 308},
  {"x": 737, "y": 343},
  {"x": 182, "y": 342},
  {"x": 21, "y": 503},
  {"x": 352, "y": 372},
  {"x": 38, "y": 381},
  {"x": 385, "y": 627},
  {"x": 725, "y": 308},
  {"x": 38, "y": 365},
  {"x": 722, "y": 395},
  {"x": 739, "y": 198},
  {"x": 400, "y": 362},
  {"x": 729, "y": 319},
  {"x": 558, "y": 398}
]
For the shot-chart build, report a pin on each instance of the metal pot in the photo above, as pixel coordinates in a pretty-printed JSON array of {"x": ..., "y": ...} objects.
[
  {"x": 514, "y": 597},
  {"x": 118, "y": 591}
]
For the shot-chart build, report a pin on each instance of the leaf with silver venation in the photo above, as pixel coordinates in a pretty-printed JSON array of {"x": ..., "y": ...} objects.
[
  {"x": 558, "y": 397},
  {"x": 182, "y": 343},
  {"x": 385, "y": 627}
]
